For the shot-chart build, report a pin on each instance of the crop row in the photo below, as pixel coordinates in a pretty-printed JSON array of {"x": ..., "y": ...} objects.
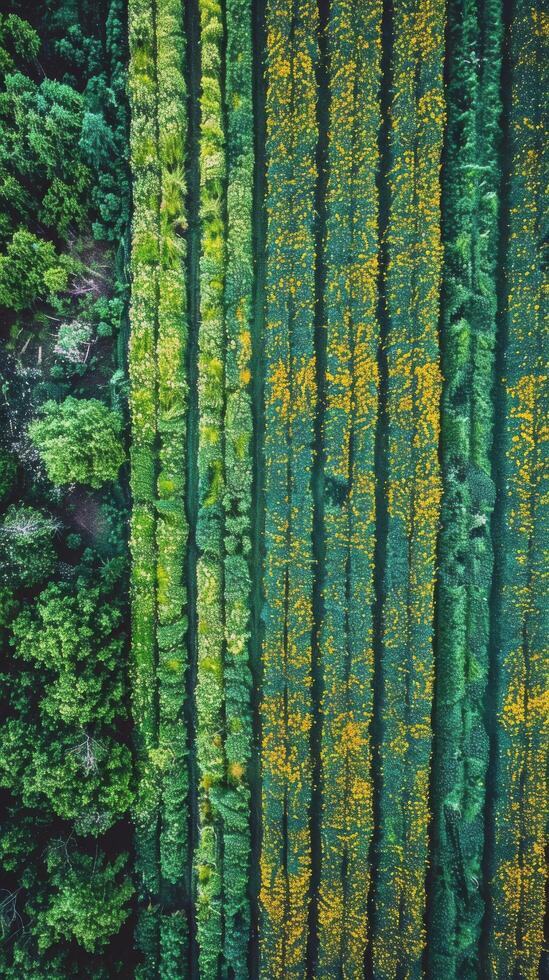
[
  {"x": 469, "y": 305},
  {"x": 224, "y": 474},
  {"x": 214, "y": 879},
  {"x": 411, "y": 286},
  {"x": 211, "y": 488},
  {"x": 143, "y": 370},
  {"x": 290, "y": 405},
  {"x": 347, "y": 661},
  {"x": 158, "y": 403},
  {"x": 519, "y": 873},
  {"x": 239, "y": 275}
]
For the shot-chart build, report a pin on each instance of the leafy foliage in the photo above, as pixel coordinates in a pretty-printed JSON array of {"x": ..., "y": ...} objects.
[
  {"x": 65, "y": 767},
  {"x": 352, "y": 389},
  {"x": 469, "y": 303},
  {"x": 79, "y": 908},
  {"x": 62, "y": 758},
  {"x": 290, "y": 406},
  {"x": 413, "y": 488},
  {"x": 74, "y": 635},
  {"x": 89, "y": 899},
  {"x": 41, "y": 128},
  {"x": 27, "y": 553},
  {"x": 29, "y": 270},
  {"x": 18, "y": 41},
  {"x": 79, "y": 441},
  {"x": 8, "y": 473}
]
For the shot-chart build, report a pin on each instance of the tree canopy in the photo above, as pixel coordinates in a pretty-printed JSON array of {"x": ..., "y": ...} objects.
[{"x": 79, "y": 441}]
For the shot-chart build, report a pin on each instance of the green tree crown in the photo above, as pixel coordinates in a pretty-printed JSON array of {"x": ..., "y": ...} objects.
[{"x": 79, "y": 441}]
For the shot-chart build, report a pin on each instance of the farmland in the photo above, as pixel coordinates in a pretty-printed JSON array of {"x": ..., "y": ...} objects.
[{"x": 273, "y": 502}]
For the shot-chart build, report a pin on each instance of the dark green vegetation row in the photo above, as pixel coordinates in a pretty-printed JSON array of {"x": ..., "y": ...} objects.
[
  {"x": 273, "y": 406},
  {"x": 468, "y": 337},
  {"x": 517, "y": 867},
  {"x": 410, "y": 288},
  {"x": 351, "y": 408}
]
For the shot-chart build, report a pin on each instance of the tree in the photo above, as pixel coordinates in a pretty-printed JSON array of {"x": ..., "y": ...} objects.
[
  {"x": 96, "y": 142},
  {"x": 89, "y": 898},
  {"x": 41, "y": 165},
  {"x": 18, "y": 41},
  {"x": 79, "y": 777},
  {"x": 79, "y": 441},
  {"x": 25, "y": 271},
  {"x": 73, "y": 632},
  {"x": 27, "y": 554},
  {"x": 65, "y": 698}
]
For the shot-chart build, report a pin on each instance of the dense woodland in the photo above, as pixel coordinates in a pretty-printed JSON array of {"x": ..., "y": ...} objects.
[
  {"x": 66, "y": 767},
  {"x": 273, "y": 489}
]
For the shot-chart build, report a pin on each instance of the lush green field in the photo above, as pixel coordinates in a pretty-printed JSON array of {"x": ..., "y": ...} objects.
[{"x": 273, "y": 489}]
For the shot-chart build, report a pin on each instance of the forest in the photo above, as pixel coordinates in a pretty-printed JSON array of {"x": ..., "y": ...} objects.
[{"x": 274, "y": 598}]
